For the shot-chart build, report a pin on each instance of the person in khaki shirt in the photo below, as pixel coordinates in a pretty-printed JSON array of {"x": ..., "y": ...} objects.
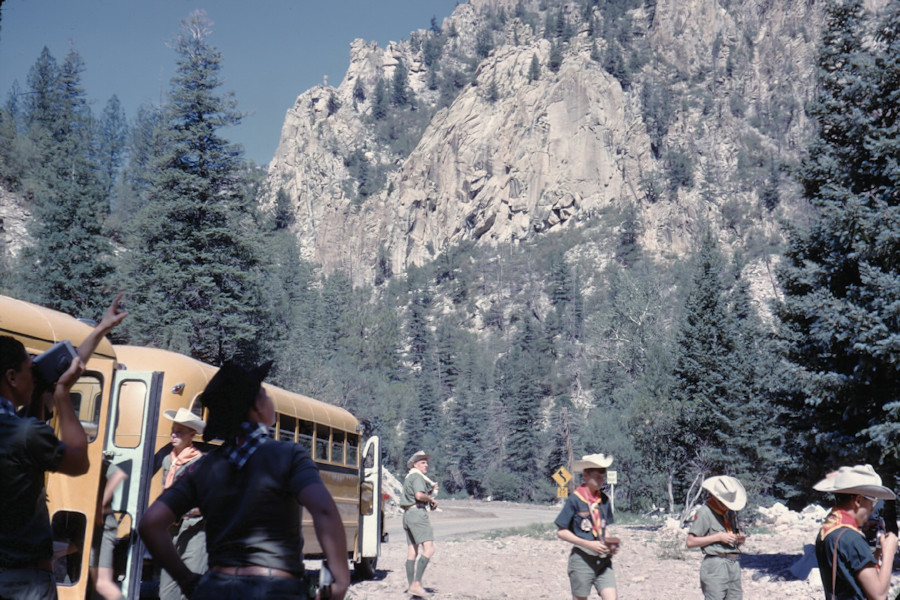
[
  {"x": 416, "y": 498},
  {"x": 715, "y": 531}
]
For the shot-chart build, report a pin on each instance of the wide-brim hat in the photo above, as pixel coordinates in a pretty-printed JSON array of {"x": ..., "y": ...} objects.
[
  {"x": 229, "y": 395},
  {"x": 592, "y": 461},
  {"x": 727, "y": 490},
  {"x": 185, "y": 417},
  {"x": 860, "y": 479},
  {"x": 420, "y": 455}
]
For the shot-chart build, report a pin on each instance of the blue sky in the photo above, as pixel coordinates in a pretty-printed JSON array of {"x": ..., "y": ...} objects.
[{"x": 272, "y": 50}]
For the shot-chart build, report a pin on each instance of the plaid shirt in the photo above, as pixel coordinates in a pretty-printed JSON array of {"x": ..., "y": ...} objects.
[
  {"x": 7, "y": 407},
  {"x": 254, "y": 435}
]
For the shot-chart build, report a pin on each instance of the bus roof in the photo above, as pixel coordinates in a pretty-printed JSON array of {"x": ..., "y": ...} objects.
[
  {"x": 39, "y": 327},
  {"x": 196, "y": 374}
]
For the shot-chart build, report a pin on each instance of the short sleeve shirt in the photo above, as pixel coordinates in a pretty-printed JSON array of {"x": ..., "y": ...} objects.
[
  {"x": 414, "y": 482},
  {"x": 576, "y": 517},
  {"x": 854, "y": 554},
  {"x": 708, "y": 522},
  {"x": 28, "y": 449},
  {"x": 252, "y": 514}
]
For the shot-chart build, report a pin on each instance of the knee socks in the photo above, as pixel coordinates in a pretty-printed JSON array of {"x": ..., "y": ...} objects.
[
  {"x": 410, "y": 570},
  {"x": 420, "y": 568}
]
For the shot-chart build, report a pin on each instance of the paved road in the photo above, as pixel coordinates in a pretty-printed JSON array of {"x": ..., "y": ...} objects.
[{"x": 459, "y": 517}]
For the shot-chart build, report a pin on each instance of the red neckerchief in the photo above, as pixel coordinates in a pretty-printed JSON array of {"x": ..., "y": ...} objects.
[
  {"x": 838, "y": 518},
  {"x": 729, "y": 526},
  {"x": 593, "y": 502}
]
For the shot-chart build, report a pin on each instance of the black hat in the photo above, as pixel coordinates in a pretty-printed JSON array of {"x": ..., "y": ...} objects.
[{"x": 229, "y": 395}]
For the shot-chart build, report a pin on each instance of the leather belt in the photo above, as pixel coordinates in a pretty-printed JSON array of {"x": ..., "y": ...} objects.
[
  {"x": 253, "y": 571},
  {"x": 730, "y": 556}
]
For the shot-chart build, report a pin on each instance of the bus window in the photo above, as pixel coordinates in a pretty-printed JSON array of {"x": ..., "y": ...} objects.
[
  {"x": 287, "y": 427},
  {"x": 322, "y": 441},
  {"x": 337, "y": 446},
  {"x": 306, "y": 435},
  {"x": 130, "y": 414},
  {"x": 68, "y": 545},
  {"x": 85, "y": 396},
  {"x": 352, "y": 449}
]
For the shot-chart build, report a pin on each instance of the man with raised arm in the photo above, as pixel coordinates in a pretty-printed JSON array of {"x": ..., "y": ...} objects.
[{"x": 28, "y": 449}]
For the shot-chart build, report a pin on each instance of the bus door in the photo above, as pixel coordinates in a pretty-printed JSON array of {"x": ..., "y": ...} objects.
[
  {"x": 371, "y": 515},
  {"x": 131, "y": 436}
]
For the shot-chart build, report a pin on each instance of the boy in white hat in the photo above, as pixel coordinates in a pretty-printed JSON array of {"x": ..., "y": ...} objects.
[
  {"x": 849, "y": 569},
  {"x": 582, "y": 522},
  {"x": 716, "y": 533},
  {"x": 416, "y": 498},
  {"x": 190, "y": 540}
]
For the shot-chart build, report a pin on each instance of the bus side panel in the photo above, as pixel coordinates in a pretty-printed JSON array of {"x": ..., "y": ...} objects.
[{"x": 344, "y": 488}]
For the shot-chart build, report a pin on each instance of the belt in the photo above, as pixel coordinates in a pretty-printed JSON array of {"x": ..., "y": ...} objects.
[
  {"x": 405, "y": 508},
  {"x": 253, "y": 571},
  {"x": 41, "y": 564},
  {"x": 730, "y": 556}
]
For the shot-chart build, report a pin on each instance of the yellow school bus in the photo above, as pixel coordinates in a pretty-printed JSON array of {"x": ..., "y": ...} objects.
[{"x": 120, "y": 401}]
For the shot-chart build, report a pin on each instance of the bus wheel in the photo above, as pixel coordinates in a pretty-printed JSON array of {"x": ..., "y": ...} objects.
[{"x": 365, "y": 568}]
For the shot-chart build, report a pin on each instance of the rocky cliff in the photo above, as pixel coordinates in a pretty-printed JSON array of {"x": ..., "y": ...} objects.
[{"x": 688, "y": 111}]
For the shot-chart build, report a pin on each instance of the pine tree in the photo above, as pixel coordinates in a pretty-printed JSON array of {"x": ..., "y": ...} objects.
[
  {"x": 842, "y": 278},
  {"x": 193, "y": 259},
  {"x": 534, "y": 71},
  {"x": 112, "y": 139},
  {"x": 69, "y": 262},
  {"x": 724, "y": 422},
  {"x": 522, "y": 375}
]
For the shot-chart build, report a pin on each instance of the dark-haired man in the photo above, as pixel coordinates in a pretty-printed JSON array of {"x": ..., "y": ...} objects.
[{"x": 28, "y": 449}]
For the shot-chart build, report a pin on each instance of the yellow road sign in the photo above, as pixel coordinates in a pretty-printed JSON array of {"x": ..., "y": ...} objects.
[
  {"x": 562, "y": 492},
  {"x": 562, "y": 476}
]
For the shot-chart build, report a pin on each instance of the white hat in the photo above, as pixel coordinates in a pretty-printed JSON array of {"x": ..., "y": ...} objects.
[
  {"x": 420, "y": 455},
  {"x": 186, "y": 418},
  {"x": 861, "y": 479},
  {"x": 726, "y": 490},
  {"x": 592, "y": 461}
]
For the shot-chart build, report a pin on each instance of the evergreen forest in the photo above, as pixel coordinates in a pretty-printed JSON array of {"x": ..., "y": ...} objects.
[{"x": 505, "y": 362}]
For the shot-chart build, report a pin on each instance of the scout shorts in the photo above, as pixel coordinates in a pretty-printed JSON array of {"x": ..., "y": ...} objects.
[
  {"x": 587, "y": 571},
  {"x": 417, "y": 526}
]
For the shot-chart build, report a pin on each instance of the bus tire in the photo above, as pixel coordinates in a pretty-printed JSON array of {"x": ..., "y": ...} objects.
[{"x": 365, "y": 568}]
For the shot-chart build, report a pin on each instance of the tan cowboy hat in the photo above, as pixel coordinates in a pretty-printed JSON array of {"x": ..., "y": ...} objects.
[
  {"x": 592, "y": 461},
  {"x": 420, "y": 455},
  {"x": 727, "y": 490},
  {"x": 861, "y": 479},
  {"x": 186, "y": 418}
]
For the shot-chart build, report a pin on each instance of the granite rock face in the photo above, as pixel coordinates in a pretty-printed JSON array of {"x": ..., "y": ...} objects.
[{"x": 714, "y": 102}]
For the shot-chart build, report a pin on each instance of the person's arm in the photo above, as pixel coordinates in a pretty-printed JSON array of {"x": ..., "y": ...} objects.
[
  {"x": 112, "y": 317},
  {"x": 721, "y": 537},
  {"x": 154, "y": 530},
  {"x": 111, "y": 484},
  {"x": 597, "y": 546},
  {"x": 876, "y": 582},
  {"x": 424, "y": 497},
  {"x": 75, "y": 459},
  {"x": 330, "y": 533}
]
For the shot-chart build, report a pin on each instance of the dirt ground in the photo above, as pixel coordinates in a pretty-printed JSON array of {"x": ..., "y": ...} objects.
[{"x": 652, "y": 564}]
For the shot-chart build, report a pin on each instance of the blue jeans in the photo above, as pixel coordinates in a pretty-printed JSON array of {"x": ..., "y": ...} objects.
[
  {"x": 219, "y": 586},
  {"x": 27, "y": 584}
]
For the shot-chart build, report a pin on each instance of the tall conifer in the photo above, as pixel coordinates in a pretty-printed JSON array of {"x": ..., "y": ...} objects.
[
  {"x": 193, "y": 259},
  {"x": 842, "y": 275}
]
